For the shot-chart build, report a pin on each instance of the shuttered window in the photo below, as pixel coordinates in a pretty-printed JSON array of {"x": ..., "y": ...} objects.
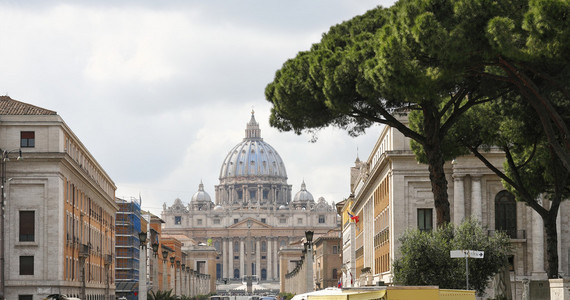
[
  {"x": 27, "y": 139},
  {"x": 27, "y": 226}
]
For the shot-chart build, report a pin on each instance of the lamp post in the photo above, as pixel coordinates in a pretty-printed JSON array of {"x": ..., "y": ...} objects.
[
  {"x": 248, "y": 260},
  {"x": 142, "y": 266},
  {"x": 183, "y": 279},
  {"x": 5, "y": 157},
  {"x": 172, "y": 287},
  {"x": 164, "y": 269},
  {"x": 188, "y": 280},
  {"x": 309, "y": 260},
  {"x": 177, "y": 286}
]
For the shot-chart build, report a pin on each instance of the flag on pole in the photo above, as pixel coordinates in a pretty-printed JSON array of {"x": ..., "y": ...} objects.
[
  {"x": 339, "y": 285},
  {"x": 352, "y": 216}
]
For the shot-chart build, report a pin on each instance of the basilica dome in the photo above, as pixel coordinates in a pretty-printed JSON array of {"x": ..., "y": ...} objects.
[
  {"x": 303, "y": 195},
  {"x": 201, "y": 195},
  {"x": 253, "y": 157}
]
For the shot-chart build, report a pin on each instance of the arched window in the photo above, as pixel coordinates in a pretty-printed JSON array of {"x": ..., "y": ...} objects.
[
  {"x": 263, "y": 274},
  {"x": 236, "y": 273},
  {"x": 506, "y": 213},
  {"x": 334, "y": 274}
]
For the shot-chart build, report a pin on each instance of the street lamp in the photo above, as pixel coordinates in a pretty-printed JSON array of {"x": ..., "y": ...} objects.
[
  {"x": 309, "y": 259},
  {"x": 142, "y": 265},
  {"x": 309, "y": 236},
  {"x": 164, "y": 269},
  {"x": 142, "y": 239},
  {"x": 155, "y": 248},
  {"x": 248, "y": 276},
  {"x": 178, "y": 281},
  {"x": 172, "y": 274},
  {"x": 5, "y": 157}
]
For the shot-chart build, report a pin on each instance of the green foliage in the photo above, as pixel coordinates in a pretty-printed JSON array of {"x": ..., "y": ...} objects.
[
  {"x": 425, "y": 258},
  {"x": 285, "y": 296},
  {"x": 161, "y": 295}
]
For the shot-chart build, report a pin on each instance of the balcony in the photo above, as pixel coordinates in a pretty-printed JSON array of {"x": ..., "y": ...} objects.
[{"x": 513, "y": 234}]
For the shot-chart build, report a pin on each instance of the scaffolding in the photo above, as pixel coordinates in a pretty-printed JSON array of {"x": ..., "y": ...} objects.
[{"x": 127, "y": 247}]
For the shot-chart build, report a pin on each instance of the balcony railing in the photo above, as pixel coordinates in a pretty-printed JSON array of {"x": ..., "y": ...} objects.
[{"x": 513, "y": 234}]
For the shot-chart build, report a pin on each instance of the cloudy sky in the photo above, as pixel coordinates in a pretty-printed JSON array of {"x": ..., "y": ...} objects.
[{"x": 160, "y": 91}]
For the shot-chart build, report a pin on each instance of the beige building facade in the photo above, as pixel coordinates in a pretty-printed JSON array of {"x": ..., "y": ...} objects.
[
  {"x": 59, "y": 209},
  {"x": 391, "y": 192},
  {"x": 252, "y": 214}
]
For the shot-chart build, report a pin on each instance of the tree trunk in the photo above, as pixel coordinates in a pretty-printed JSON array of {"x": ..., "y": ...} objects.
[
  {"x": 438, "y": 186},
  {"x": 434, "y": 154},
  {"x": 551, "y": 244}
]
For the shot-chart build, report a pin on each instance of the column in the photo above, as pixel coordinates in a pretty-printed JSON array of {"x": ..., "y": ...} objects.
[
  {"x": 241, "y": 258},
  {"x": 269, "y": 259},
  {"x": 172, "y": 276},
  {"x": 276, "y": 260},
  {"x": 178, "y": 281},
  {"x": 231, "y": 259},
  {"x": 257, "y": 258},
  {"x": 458, "y": 199},
  {"x": 224, "y": 258},
  {"x": 538, "y": 271},
  {"x": 559, "y": 238},
  {"x": 476, "y": 200},
  {"x": 142, "y": 272}
]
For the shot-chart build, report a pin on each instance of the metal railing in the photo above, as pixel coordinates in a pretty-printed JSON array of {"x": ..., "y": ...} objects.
[{"x": 513, "y": 234}]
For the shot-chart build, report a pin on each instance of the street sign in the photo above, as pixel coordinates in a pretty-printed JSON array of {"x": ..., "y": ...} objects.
[{"x": 466, "y": 253}]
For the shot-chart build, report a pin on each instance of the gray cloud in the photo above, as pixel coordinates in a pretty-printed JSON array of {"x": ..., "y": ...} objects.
[{"x": 159, "y": 91}]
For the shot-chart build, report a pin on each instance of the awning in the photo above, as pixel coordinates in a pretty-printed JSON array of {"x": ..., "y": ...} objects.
[
  {"x": 367, "y": 295},
  {"x": 327, "y": 297}
]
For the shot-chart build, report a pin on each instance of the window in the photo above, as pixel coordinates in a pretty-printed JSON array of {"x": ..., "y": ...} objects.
[
  {"x": 25, "y": 297},
  {"x": 236, "y": 221},
  {"x": 263, "y": 246},
  {"x": 26, "y": 265},
  {"x": 299, "y": 220},
  {"x": 236, "y": 247},
  {"x": 27, "y": 226},
  {"x": 506, "y": 213},
  {"x": 199, "y": 221},
  {"x": 177, "y": 220},
  {"x": 511, "y": 260},
  {"x": 282, "y": 221},
  {"x": 335, "y": 249},
  {"x": 321, "y": 219},
  {"x": 425, "y": 219},
  {"x": 216, "y": 221},
  {"x": 334, "y": 274},
  {"x": 27, "y": 139},
  {"x": 263, "y": 220}
]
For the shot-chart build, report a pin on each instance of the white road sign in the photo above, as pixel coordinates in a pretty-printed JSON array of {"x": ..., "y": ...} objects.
[{"x": 466, "y": 253}]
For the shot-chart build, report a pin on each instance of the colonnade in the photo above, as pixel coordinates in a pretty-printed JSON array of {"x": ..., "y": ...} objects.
[
  {"x": 229, "y": 251},
  {"x": 275, "y": 193}
]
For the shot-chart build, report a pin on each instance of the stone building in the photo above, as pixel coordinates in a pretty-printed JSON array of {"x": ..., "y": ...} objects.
[
  {"x": 253, "y": 213},
  {"x": 328, "y": 259},
  {"x": 59, "y": 209},
  {"x": 391, "y": 192}
]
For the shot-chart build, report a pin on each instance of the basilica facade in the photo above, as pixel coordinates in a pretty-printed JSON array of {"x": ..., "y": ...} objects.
[{"x": 253, "y": 214}]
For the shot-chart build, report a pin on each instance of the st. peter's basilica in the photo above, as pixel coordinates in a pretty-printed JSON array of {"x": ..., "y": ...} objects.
[{"x": 252, "y": 203}]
